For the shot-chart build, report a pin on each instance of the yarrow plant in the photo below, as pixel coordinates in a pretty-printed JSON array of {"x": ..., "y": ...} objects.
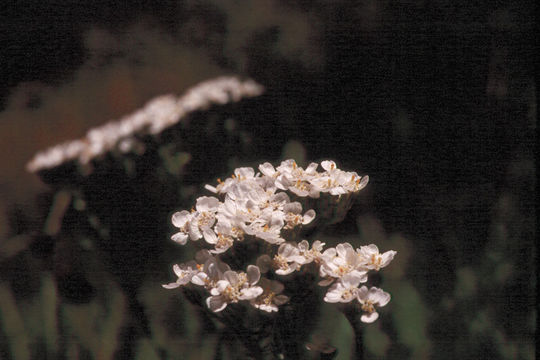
[{"x": 249, "y": 231}]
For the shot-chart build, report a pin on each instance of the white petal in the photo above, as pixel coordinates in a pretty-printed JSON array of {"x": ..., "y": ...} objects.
[
  {"x": 216, "y": 303},
  {"x": 312, "y": 168},
  {"x": 199, "y": 279},
  {"x": 308, "y": 217},
  {"x": 177, "y": 270},
  {"x": 369, "y": 318},
  {"x": 370, "y": 249},
  {"x": 328, "y": 165},
  {"x": 268, "y": 308},
  {"x": 352, "y": 279},
  {"x": 362, "y": 275},
  {"x": 363, "y": 182},
  {"x": 253, "y": 274},
  {"x": 244, "y": 172},
  {"x": 267, "y": 169},
  {"x": 173, "y": 285},
  {"x": 363, "y": 293},
  {"x": 207, "y": 203},
  {"x": 317, "y": 245},
  {"x": 180, "y": 238},
  {"x": 342, "y": 249},
  {"x": 250, "y": 293},
  {"x": 287, "y": 271},
  {"x": 210, "y": 236},
  {"x": 333, "y": 295},
  {"x": 194, "y": 232},
  {"x": 180, "y": 218},
  {"x": 294, "y": 207},
  {"x": 387, "y": 257},
  {"x": 379, "y": 296}
]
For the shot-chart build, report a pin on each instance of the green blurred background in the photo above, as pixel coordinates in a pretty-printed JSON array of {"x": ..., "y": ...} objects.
[{"x": 436, "y": 101}]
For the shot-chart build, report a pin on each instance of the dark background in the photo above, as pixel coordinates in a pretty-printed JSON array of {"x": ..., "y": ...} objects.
[{"x": 436, "y": 101}]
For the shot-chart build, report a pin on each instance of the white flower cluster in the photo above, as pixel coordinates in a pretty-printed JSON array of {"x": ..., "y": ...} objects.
[
  {"x": 159, "y": 114},
  {"x": 255, "y": 205}
]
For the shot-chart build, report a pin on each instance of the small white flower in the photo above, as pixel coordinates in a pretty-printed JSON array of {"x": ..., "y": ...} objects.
[
  {"x": 270, "y": 299},
  {"x": 293, "y": 216},
  {"x": 340, "y": 261},
  {"x": 310, "y": 255},
  {"x": 296, "y": 179},
  {"x": 185, "y": 273},
  {"x": 352, "y": 182},
  {"x": 345, "y": 290},
  {"x": 267, "y": 169},
  {"x": 288, "y": 259},
  {"x": 211, "y": 273},
  {"x": 181, "y": 220},
  {"x": 371, "y": 258},
  {"x": 234, "y": 287},
  {"x": 240, "y": 175},
  {"x": 204, "y": 217},
  {"x": 268, "y": 227},
  {"x": 368, "y": 299}
]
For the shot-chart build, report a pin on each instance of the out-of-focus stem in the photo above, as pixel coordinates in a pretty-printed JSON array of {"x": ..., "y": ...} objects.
[{"x": 352, "y": 316}]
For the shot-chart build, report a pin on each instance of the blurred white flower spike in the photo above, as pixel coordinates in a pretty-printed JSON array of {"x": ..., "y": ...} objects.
[
  {"x": 266, "y": 208},
  {"x": 159, "y": 114}
]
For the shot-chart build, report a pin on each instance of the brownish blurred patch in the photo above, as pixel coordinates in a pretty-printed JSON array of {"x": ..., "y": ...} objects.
[{"x": 122, "y": 73}]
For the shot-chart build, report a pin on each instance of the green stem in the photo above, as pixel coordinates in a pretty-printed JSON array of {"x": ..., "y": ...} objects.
[{"x": 351, "y": 314}]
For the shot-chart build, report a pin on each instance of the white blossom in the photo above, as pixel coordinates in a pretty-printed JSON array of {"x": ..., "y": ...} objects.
[
  {"x": 185, "y": 273},
  {"x": 368, "y": 299},
  {"x": 287, "y": 259},
  {"x": 345, "y": 290},
  {"x": 313, "y": 254},
  {"x": 158, "y": 114},
  {"x": 181, "y": 219},
  {"x": 371, "y": 258},
  {"x": 234, "y": 287},
  {"x": 340, "y": 261},
  {"x": 211, "y": 273},
  {"x": 271, "y": 297}
]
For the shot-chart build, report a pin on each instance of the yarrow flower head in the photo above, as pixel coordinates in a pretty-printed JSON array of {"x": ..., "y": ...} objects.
[{"x": 264, "y": 211}]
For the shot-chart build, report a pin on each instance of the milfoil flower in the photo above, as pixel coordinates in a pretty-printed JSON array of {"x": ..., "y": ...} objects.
[
  {"x": 185, "y": 273},
  {"x": 191, "y": 225},
  {"x": 222, "y": 237},
  {"x": 288, "y": 259},
  {"x": 293, "y": 216},
  {"x": 313, "y": 254},
  {"x": 338, "y": 261},
  {"x": 271, "y": 297},
  {"x": 234, "y": 286},
  {"x": 268, "y": 226},
  {"x": 203, "y": 217},
  {"x": 240, "y": 174},
  {"x": 345, "y": 290},
  {"x": 371, "y": 258},
  {"x": 368, "y": 299},
  {"x": 211, "y": 273}
]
